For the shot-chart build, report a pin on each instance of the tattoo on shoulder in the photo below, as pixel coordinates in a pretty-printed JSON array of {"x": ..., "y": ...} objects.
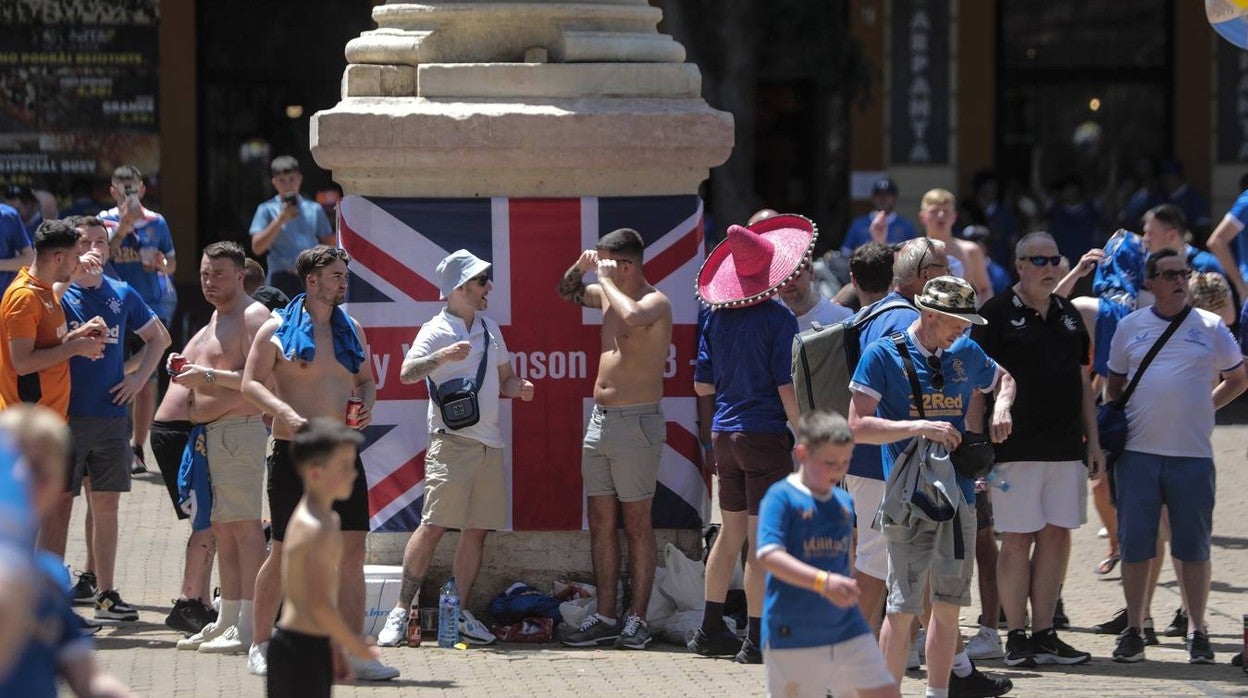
[{"x": 572, "y": 286}]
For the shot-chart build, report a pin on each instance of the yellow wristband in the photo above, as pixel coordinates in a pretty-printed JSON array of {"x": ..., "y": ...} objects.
[{"x": 821, "y": 582}]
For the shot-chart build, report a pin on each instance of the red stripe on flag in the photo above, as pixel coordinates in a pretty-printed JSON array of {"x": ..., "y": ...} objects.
[
  {"x": 386, "y": 266},
  {"x": 546, "y": 461},
  {"x": 682, "y": 441},
  {"x": 404, "y": 478},
  {"x": 676, "y": 255}
]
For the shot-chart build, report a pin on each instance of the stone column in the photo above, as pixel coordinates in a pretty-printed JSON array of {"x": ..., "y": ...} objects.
[{"x": 519, "y": 99}]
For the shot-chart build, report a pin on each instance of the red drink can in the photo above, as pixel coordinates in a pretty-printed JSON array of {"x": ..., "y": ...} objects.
[
  {"x": 354, "y": 405},
  {"x": 176, "y": 364}
]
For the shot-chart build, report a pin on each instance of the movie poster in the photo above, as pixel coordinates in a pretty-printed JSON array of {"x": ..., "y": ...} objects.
[{"x": 78, "y": 91}]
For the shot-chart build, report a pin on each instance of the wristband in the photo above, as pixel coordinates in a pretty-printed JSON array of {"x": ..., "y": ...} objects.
[{"x": 821, "y": 582}]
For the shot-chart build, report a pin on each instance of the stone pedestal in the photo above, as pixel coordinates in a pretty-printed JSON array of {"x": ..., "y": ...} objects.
[{"x": 519, "y": 99}]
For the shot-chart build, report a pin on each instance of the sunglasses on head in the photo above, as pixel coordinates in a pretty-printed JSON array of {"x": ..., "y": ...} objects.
[
  {"x": 1173, "y": 274},
  {"x": 937, "y": 378},
  {"x": 1042, "y": 260}
]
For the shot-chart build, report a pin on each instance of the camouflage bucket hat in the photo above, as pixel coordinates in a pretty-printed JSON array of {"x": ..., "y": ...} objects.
[{"x": 949, "y": 295}]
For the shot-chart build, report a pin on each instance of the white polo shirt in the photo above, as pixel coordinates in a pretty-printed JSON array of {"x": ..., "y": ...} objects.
[
  {"x": 1171, "y": 411},
  {"x": 445, "y": 329}
]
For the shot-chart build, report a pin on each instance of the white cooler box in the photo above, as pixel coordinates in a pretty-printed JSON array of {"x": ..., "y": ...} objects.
[{"x": 381, "y": 593}]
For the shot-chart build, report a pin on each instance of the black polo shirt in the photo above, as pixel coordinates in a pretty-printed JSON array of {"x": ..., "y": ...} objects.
[{"x": 1045, "y": 355}]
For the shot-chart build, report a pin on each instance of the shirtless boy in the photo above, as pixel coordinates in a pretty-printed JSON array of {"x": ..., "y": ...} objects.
[
  {"x": 937, "y": 214},
  {"x": 300, "y": 660},
  {"x": 624, "y": 440},
  {"x": 234, "y": 437},
  {"x": 313, "y": 357}
]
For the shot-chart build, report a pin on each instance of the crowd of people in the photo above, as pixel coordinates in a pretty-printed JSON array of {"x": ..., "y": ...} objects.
[{"x": 971, "y": 370}]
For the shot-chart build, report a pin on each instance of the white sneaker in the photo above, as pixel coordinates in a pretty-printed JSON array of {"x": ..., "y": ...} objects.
[
  {"x": 258, "y": 659},
  {"x": 372, "y": 670},
  {"x": 985, "y": 645},
  {"x": 209, "y": 632},
  {"x": 473, "y": 631},
  {"x": 1103, "y": 533},
  {"x": 394, "y": 632},
  {"x": 232, "y": 641}
]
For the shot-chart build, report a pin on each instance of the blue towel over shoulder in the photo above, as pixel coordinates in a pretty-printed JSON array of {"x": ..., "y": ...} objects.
[{"x": 297, "y": 336}]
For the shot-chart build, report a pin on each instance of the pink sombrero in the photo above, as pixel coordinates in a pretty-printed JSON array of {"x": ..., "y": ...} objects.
[{"x": 753, "y": 262}]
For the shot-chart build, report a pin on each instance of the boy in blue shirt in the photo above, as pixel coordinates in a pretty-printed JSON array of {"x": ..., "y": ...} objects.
[{"x": 817, "y": 641}]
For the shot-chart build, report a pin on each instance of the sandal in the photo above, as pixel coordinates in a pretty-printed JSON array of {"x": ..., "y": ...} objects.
[{"x": 1108, "y": 564}]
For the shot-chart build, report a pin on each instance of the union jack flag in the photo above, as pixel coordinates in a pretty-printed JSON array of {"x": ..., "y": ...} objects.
[{"x": 396, "y": 244}]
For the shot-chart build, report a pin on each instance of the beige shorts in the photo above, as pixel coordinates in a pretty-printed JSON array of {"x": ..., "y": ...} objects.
[
  {"x": 236, "y": 450},
  {"x": 814, "y": 672},
  {"x": 871, "y": 555},
  {"x": 622, "y": 449},
  {"x": 465, "y": 486}
]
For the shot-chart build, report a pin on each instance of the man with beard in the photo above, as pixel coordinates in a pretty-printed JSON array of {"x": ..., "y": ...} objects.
[
  {"x": 234, "y": 438},
  {"x": 313, "y": 357}
]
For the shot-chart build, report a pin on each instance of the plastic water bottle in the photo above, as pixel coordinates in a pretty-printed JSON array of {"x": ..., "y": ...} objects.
[
  {"x": 995, "y": 480},
  {"x": 448, "y": 615}
]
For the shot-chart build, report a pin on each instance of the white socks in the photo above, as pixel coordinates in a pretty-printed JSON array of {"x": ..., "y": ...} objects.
[
  {"x": 246, "y": 614},
  {"x": 962, "y": 665},
  {"x": 937, "y": 692},
  {"x": 229, "y": 612},
  {"x": 609, "y": 621}
]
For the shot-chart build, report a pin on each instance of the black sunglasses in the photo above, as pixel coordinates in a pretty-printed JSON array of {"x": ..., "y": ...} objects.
[
  {"x": 481, "y": 280},
  {"x": 1173, "y": 274},
  {"x": 1041, "y": 261},
  {"x": 938, "y": 375}
]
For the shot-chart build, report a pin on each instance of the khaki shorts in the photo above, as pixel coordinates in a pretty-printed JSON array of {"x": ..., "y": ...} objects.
[
  {"x": 910, "y": 565},
  {"x": 236, "y": 450},
  {"x": 622, "y": 449},
  {"x": 465, "y": 486}
]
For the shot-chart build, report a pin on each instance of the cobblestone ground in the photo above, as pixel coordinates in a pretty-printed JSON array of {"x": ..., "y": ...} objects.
[{"x": 143, "y": 653}]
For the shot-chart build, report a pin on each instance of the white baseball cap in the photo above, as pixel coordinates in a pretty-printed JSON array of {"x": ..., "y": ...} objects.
[{"x": 456, "y": 269}]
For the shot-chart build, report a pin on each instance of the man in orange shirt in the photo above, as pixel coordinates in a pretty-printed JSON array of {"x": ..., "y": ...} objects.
[{"x": 35, "y": 345}]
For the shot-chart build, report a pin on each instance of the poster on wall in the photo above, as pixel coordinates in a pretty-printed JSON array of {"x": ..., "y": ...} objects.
[
  {"x": 78, "y": 91},
  {"x": 395, "y": 246},
  {"x": 919, "y": 89}
]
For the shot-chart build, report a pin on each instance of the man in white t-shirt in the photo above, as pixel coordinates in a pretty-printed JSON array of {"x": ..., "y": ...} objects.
[
  {"x": 1169, "y": 453},
  {"x": 465, "y": 485},
  {"x": 801, "y": 298}
]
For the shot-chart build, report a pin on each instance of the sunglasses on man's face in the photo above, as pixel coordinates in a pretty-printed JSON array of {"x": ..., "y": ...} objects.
[
  {"x": 937, "y": 378},
  {"x": 1174, "y": 274},
  {"x": 1043, "y": 261},
  {"x": 481, "y": 280}
]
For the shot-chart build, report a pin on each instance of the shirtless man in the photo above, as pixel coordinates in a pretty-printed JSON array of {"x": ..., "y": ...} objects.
[
  {"x": 624, "y": 441},
  {"x": 937, "y": 214},
  {"x": 313, "y": 357},
  {"x": 171, "y": 428},
  {"x": 300, "y": 658},
  {"x": 234, "y": 438}
]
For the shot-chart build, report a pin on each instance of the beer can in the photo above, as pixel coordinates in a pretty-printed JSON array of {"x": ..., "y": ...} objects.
[
  {"x": 176, "y": 364},
  {"x": 353, "y": 411}
]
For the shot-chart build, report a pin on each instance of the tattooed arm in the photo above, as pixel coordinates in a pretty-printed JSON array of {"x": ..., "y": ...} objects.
[{"x": 572, "y": 286}]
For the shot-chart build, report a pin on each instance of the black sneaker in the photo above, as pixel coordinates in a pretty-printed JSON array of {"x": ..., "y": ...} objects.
[
  {"x": 84, "y": 590},
  {"x": 635, "y": 635},
  {"x": 1060, "y": 621},
  {"x": 749, "y": 653},
  {"x": 1050, "y": 649},
  {"x": 978, "y": 685},
  {"x": 1198, "y": 649},
  {"x": 138, "y": 465},
  {"x": 1237, "y": 659},
  {"x": 109, "y": 606},
  {"x": 1150, "y": 634},
  {"x": 188, "y": 616},
  {"x": 1113, "y": 626},
  {"x": 1018, "y": 649},
  {"x": 723, "y": 644},
  {"x": 1130, "y": 647},
  {"x": 1178, "y": 626}
]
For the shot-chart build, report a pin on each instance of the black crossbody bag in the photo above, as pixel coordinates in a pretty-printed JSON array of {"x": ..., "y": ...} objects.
[{"x": 457, "y": 398}]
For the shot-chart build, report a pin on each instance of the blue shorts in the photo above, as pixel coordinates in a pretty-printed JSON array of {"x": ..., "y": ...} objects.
[
  {"x": 1108, "y": 313},
  {"x": 1185, "y": 486}
]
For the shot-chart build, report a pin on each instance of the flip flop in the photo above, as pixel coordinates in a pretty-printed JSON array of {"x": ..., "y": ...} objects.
[{"x": 1108, "y": 564}]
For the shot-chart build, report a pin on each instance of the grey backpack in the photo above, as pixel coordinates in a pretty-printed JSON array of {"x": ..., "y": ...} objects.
[{"x": 824, "y": 359}]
